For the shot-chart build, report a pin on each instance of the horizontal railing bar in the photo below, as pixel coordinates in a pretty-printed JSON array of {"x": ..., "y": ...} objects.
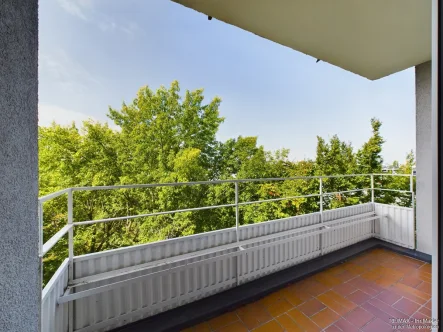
[
  {"x": 90, "y": 222},
  {"x": 393, "y": 174},
  {"x": 194, "y": 254},
  {"x": 53, "y": 195},
  {"x": 175, "y": 184},
  {"x": 278, "y": 199},
  {"x": 346, "y": 191},
  {"x": 395, "y": 190},
  {"x": 122, "y": 283},
  {"x": 55, "y": 238}
]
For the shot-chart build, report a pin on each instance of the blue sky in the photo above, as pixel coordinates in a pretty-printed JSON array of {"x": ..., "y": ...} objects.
[{"x": 98, "y": 53}]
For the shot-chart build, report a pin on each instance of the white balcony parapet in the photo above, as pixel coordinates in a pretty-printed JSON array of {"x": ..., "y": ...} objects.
[{"x": 105, "y": 290}]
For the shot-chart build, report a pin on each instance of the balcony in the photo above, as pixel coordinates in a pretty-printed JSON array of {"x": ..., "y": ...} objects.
[{"x": 180, "y": 282}]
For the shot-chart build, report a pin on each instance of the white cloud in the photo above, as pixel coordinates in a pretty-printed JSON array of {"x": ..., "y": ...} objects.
[
  {"x": 84, "y": 10},
  {"x": 48, "y": 113},
  {"x": 67, "y": 72},
  {"x": 77, "y": 8},
  {"x": 130, "y": 28}
]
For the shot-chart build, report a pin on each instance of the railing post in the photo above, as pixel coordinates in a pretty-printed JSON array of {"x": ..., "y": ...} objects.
[
  {"x": 71, "y": 256},
  {"x": 237, "y": 214},
  {"x": 411, "y": 187},
  {"x": 321, "y": 214},
  {"x": 373, "y": 201},
  {"x": 237, "y": 231},
  {"x": 40, "y": 238}
]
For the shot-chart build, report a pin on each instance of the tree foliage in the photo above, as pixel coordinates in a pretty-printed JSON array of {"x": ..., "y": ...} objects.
[{"x": 163, "y": 138}]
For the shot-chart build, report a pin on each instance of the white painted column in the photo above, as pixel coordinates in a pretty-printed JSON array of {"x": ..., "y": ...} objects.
[
  {"x": 20, "y": 287},
  {"x": 424, "y": 157}
]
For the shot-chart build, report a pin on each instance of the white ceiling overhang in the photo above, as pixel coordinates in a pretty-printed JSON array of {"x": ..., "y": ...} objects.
[{"x": 371, "y": 38}]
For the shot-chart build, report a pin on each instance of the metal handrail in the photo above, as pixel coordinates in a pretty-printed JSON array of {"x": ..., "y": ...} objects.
[{"x": 69, "y": 228}]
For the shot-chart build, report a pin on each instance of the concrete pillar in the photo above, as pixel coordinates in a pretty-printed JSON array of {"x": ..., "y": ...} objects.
[
  {"x": 20, "y": 288},
  {"x": 424, "y": 157}
]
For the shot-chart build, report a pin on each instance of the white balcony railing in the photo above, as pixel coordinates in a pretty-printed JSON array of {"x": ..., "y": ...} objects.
[{"x": 101, "y": 291}]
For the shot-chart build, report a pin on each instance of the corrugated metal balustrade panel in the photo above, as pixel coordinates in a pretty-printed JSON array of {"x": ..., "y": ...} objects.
[
  {"x": 54, "y": 316},
  {"x": 396, "y": 225},
  {"x": 164, "y": 291}
]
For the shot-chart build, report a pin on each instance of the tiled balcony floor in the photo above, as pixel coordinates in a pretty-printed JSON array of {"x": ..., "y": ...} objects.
[{"x": 363, "y": 294}]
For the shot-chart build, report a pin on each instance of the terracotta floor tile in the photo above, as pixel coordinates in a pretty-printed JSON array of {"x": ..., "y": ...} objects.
[
  {"x": 377, "y": 312},
  {"x": 412, "y": 261},
  {"x": 289, "y": 324},
  {"x": 413, "y": 291},
  {"x": 270, "y": 299},
  {"x": 325, "y": 317},
  {"x": 291, "y": 296},
  {"x": 371, "y": 275},
  {"x": 425, "y": 287},
  {"x": 403, "y": 267},
  {"x": 253, "y": 315},
  {"x": 332, "y": 328},
  {"x": 422, "y": 275},
  {"x": 311, "y": 307},
  {"x": 279, "y": 307},
  {"x": 202, "y": 327},
  {"x": 366, "y": 286},
  {"x": 223, "y": 320},
  {"x": 336, "y": 302},
  {"x": 425, "y": 311},
  {"x": 328, "y": 280},
  {"x": 234, "y": 327},
  {"x": 362, "y": 258},
  {"x": 377, "y": 325},
  {"x": 359, "y": 297},
  {"x": 419, "y": 315},
  {"x": 371, "y": 265},
  {"x": 337, "y": 269},
  {"x": 300, "y": 291},
  {"x": 354, "y": 268},
  {"x": 386, "y": 309},
  {"x": 303, "y": 295},
  {"x": 388, "y": 297},
  {"x": 346, "y": 276},
  {"x": 406, "y": 306},
  {"x": 346, "y": 326},
  {"x": 271, "y": 326},
  {"x": 359, "y": 317},
  {"x": 429, "y": 304},
  {"x": 426, "y": 268},
  {"x": 344, "y": 289},
  {"x": 403, "y": 293},
  {"x": 411, "y": 281},
  {"x": 315, "y": 288},
  {"x": 303, "y": 321},
  {"x": 388, "y": 271},
  {"x": 386, "y": 282},
  {"x": 342, "y": 300}
]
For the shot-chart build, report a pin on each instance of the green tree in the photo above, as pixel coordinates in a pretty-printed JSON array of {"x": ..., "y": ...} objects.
[{"x": 164, "y": 137}]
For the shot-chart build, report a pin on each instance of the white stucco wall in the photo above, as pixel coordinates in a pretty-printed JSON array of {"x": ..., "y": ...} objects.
[{"x": 424, "y": 157}]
